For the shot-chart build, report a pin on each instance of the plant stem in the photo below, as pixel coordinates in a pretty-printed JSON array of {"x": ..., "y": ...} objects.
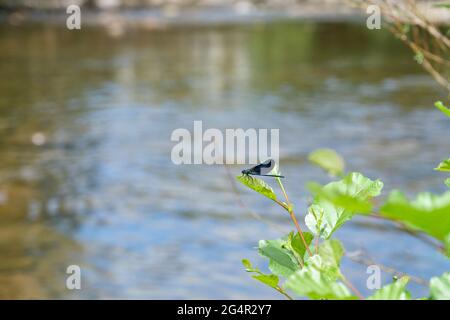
[
  {"x": 284, "y": 191},
  {"x": 283, "y": 293},
  {"x": 352, "y": 287},
  {"x": 282, "y": 204},
  {"x": 294, "y": 219}
]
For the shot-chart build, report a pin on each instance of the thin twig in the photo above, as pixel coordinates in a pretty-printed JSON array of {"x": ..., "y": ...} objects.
[
  {"x": 280, "y": 290},
  {"x": 369, "y": 262},
  {"x": 294, "y": 219},
  {"x": 353, "y": 288},
  {"x": 426, "y": 39}
]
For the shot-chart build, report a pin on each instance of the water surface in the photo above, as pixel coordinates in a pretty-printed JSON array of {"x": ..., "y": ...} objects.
[{"x": 101, "y": 191}]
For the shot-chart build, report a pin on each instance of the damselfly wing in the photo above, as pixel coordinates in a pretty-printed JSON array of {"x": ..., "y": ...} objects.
[{"x": 262, "y": 169}]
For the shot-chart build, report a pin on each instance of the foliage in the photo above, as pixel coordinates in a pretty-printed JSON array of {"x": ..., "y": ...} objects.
[
  {"x": 269, "y": 279},
  {"x": 309, "y": 262},
  {"x": 440, "y": 287},
  {"x": 258, "y": 185},
  {"x": 393, "y": 291},
  {"x": 329, "y": 160},
  {"x": 444, "y": 166},
  {"x": 338, "y": 201},
  {"x": 428, "y": 212},
  {"x": 281, "y": 261},
  {"x": 317, "y": 280}
]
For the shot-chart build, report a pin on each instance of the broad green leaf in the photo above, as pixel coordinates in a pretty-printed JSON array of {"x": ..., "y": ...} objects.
[
  {"x": 316, "y": 281},
  {"x": 443, "y": 108},
  {"x": 329, "y": 160},
  {"x": 281, "y": 261},
  {"x": 270, "y": 279},
  {"x": 428, "y": 212},
  {"x": 296, "y": 245},
  {"x": 440, "y": 287},
  {"x": 258, "y": 185},
  {"x": 393, "y": 291},
  {"x": 339, "y": 201},
  {"x": 444, "y": 166}
]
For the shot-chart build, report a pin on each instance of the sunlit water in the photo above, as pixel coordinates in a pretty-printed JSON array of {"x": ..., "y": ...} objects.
[{"x": 86, "y": 176}]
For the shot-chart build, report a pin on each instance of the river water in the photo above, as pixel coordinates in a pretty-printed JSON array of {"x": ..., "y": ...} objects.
[{"x": 86, "y": 176}]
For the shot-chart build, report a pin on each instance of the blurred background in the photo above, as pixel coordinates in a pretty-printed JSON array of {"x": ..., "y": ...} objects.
[{"x": 86, "y": 117}]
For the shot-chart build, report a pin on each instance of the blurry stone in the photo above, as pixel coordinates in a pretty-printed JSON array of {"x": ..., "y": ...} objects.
[
  {"x": 34, "y": 210},
  {"x": 108, "y": 4},
  {"x": 16, "y": 18},
  {"x": 243, "y": 7},
  {"x": 171, "y": 11},
  {"x": 38, "y": 139},
  {"x": 3, "y": 197},
  {"x": 28, "y": 173},
  {"x": 115, "y": 26}
]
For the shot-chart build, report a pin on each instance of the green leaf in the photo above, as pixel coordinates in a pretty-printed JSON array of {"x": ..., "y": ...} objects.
[
  {"x": 329, "y": 160},
  {"x": 443, "y": 108},
  {"x": 444, "y": 166},
  {"x": 447, "y": 182},
  {"x": 393, "y": 291},
  {"x": 247, "y": 265},
  {"x": 258, "y": 185},
  {"x": 440, "y": 287},
  {"x": 331, "y": 251},
  {"x": 316, "y": 281},
  {"x": 428, "y": 212},
  {"x": 270, "y": 279},
  {"x": 339, "y": 198},
  {"x": 339, "y": 201},
  {"x": 281, "y": 261},
  {"x": 296, "y": 246}
]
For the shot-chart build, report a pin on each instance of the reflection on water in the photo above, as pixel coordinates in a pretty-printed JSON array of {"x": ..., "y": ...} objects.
[{"x": 85, "y": 170}]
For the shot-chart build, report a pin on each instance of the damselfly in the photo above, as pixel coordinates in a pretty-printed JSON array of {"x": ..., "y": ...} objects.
[{"x": 262, "y": 169}]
